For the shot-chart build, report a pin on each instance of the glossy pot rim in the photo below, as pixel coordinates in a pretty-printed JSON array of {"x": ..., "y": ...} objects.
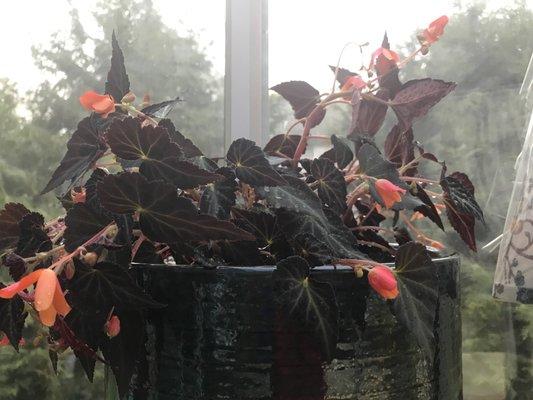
[{"x": 261, "y": 269}]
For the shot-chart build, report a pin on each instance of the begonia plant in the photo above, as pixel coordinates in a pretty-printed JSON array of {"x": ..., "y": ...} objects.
[{"x": 137, "y": 190}]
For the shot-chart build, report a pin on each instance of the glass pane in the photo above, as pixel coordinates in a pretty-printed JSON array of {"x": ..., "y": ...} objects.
[
  {"x": 54, "y": 51},
  {"x": 478, "y": 129},
  {"x": 171, "y": 49}
]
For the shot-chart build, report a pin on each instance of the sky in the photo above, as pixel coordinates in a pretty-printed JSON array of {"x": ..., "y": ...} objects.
[{"x": 304, "y": 35}]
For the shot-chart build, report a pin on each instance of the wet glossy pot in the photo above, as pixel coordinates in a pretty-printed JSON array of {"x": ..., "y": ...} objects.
[{"x": 219, "y": 338}]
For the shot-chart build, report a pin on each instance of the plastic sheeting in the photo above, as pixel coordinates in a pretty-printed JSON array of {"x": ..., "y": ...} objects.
[{"x": 513, "y": 280}]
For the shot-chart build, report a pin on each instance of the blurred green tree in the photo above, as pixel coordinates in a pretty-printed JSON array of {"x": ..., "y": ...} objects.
[
  {"x": 479, "y": 129},
  {"x": 160, "y": 63},
  {"x": 24, "y": 165}
]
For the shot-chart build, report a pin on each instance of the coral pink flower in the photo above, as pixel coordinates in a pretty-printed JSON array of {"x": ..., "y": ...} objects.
[
  {"x": 383, "y": 60},
  {"x": 435, "y": 30},
  {"x": 49, "y": 299},
  {"x": 389, "y": 192},
  {"x": 112, "y": 327},
  {"x": 353, "y": 82},
  {"x": 102, "y": 104},
  {"x": 383, "y": 281}
]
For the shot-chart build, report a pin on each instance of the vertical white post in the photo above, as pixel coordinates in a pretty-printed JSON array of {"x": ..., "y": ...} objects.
[{"x": 246, "y": 79}]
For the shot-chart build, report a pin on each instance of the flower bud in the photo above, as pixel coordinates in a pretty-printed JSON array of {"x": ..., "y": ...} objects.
[
  {"x": 89, "y": 258},
  {"x": 111, "y": 232},
  {"x": 382, "y": 280},
  {"x": 389, "y": 192},
  {"x": 112, "y": 327}
]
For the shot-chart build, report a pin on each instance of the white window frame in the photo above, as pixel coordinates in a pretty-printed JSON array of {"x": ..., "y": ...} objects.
[{"x": 246, "y": 75}]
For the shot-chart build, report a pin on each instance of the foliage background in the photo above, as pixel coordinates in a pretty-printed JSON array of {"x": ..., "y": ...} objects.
[{"x": 478, "y": 129}]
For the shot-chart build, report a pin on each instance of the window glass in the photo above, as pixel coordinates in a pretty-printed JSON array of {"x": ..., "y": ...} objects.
[
  {"x": 171, "y": 49},
  {"x": 52, "y": 52},
  {"x": 478, "y": 129}
]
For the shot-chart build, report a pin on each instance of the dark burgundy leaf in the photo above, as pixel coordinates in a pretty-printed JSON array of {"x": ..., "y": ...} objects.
[
  {"x": 462, "y": 208},
  {"x": 130, "y": 141},
  {"x": 83, "y": 333},
  {"x": 218, "y": 198},
  {"x": 160, "y": 110},
  {"x": 243, "y": 253},
  {"x": 311, "y": 303},
  {"x": 327, "y": 228},
  {"x": 118, "y": 83},
  {"x": 91, "y": 195},
  {"x": 314, "y": 251},
  {"x": 261, "y": 224},
  {"x": 10, "y": 217},
  {"x": 299, "y": 210},
  {"x": 107, "y": 285},
  {"x": 182, "y": 174},
  {"x": 12, "y": 317},
  {"x": 390, "y": 80},
  {"x": 33, "y": 238},
  {"x": 189, "y": 148},
  {"x": 416, "y": 305},
  {"x": 16, "y": 264},
  {"x": 340, "y": 153},
  {"x": 163, "y": 217},
  {"x": 431, "y": 157},
  {"x": 82, "y": 223},
  {"x": 302, "y": 97},
  {"x": 373, "y": 164},
  {"x": 282, "y": 144},
  {"x": 402, "y": 235},
  {"x": 121, "y": 193},
  {"x": 331, "y": 184},
  {"x": 399, "y": 148},
  {"x": 122, "y": 242},
  {"x": 429, "y": 210},
  {"x": 370, "y": 115},
  {"x": 159, "y": 155},
  {"x": 417, "y": 97},
  {"x": 360, "y": 140},
  {"x": 251, "y": 165},
  {"x": 369, "y": 216},
  {"x": 342, "y": 74},
  {"x": 83, "y": 149},
  {"x": 147, "y": 254}
]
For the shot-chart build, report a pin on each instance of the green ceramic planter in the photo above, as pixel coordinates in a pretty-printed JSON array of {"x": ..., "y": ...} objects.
[{"x": 220, "y": 338}]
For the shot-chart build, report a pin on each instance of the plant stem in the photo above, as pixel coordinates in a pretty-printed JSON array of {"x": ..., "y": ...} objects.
[
  {"x": 372, "y": 228},
  {"x": 130, "y": 108},
  {"x": 137, "y": 245},
  {"x": 355, "y": 262},
  {"x": 58, "y": 265},
  {"x": 341, "y": 101},
  {"x": 294, "y": 124},
  {"x": 410, "y": 164}
]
